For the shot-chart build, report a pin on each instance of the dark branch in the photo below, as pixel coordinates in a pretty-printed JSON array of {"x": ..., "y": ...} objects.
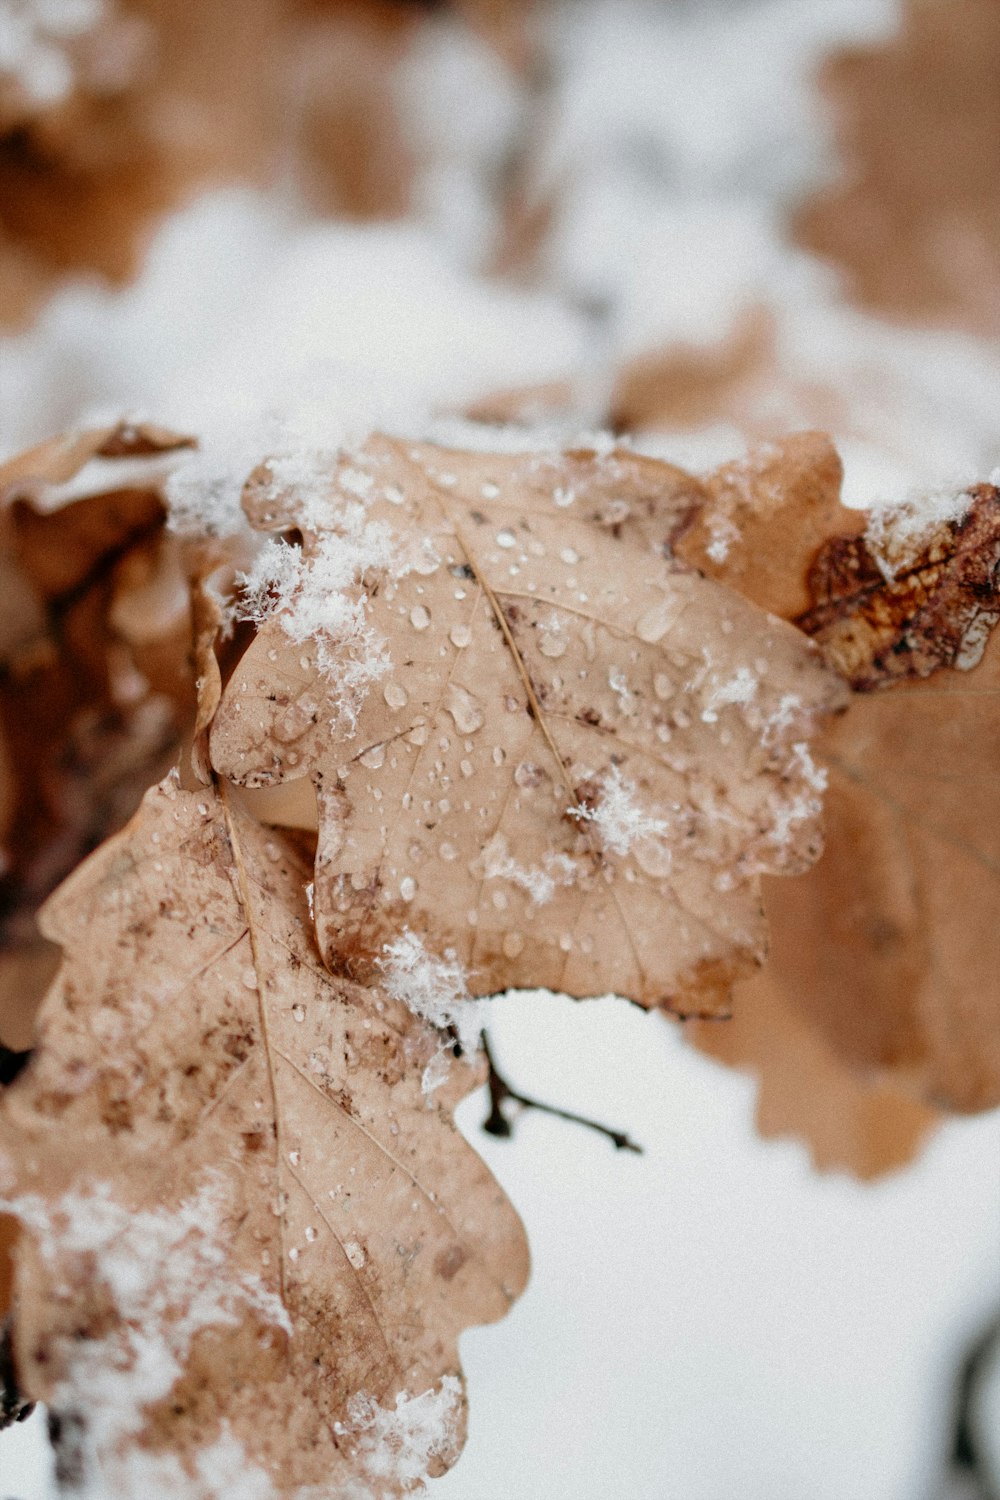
[
  {"x": 11, "y": 1063},
  {"x": 501, "y": 1093},
  {"x": 13, "y": 1406},
  {"x": 966, "y": 1453}
]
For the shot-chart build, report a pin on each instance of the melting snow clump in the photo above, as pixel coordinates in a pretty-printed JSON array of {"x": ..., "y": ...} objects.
[
  {"x": 319, "y": 597},
  {"x": 897, "y": 534},
  {"x": 435, "y": 989},
  {"x": 398, "y": 1445}
]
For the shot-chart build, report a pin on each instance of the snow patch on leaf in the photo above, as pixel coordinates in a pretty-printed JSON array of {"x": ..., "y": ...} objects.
[
  {"x": 738, "y": 689},
  {"x": 398, "y": 1445},
  {"x": 163, "y": 1275},
  {"x": 540, "y": 881},
  {"x": 436, "y": 989},
  {"x": 897, "y": 534},
  {"x": 222, "y": 1471},
  {"x": 618, "y": 817},
  {"x": 319, "y": 599},
  {"x": 808, "y": 804},
  {"x": 203, "y": 490}
]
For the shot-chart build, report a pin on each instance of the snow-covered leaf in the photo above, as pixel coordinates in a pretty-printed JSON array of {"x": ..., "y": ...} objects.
[{"x": 558, "y": 758}]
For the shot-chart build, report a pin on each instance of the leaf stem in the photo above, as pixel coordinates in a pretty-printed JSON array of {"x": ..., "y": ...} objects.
[{"x": 497, "y": 1122}]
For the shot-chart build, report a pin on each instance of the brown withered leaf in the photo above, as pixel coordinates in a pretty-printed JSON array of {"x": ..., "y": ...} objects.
[
  {"x": 918, "y": 767},
  {"x": 914, "y": 222},
  {"x": 888, "y": 947},
  {"x": 849, "y": 1120},
  {"x": 95, "y": 680},
  {"x": 569, "y": 760},
  {"x": 764, "y": 518},
  {"x": 763, "y": 522},
  {"x": 757, "y": 524},
  {"x": 252, "y": 1239}
]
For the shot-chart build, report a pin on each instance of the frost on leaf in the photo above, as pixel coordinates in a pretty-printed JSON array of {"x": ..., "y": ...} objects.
[
  {"x": 250, "y": 1241},
  {"x": 578, "y": 758},
  {"x": 888, "y": 950},
  {"x": 316, "y": 599},
  {"x": 434, "y": 988}
]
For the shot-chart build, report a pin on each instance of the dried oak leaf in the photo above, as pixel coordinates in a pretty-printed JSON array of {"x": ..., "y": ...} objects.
[
  {"x": 888, "y": 948},
  {"x": 251, "y": 1239},
  {"x": 849, "y": 1120},
  {"x": 915, "y": 220},
  {"x": 95, "y": 683},
  {"x": 757, "y": 524},
  {"x": 558, "y": 758}
]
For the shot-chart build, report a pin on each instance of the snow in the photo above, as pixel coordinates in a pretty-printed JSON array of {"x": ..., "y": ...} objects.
[
  {"x": 320, "y": 599},
  {"x": 710, "y": 1319},
  {"x": 540, "y": 881},
  {"x": 166, "y": 1275},
  {"x": 33, "y": 38},
  {"x": 397, "y": 1444},
  {"x": 222, "y": 1471},
  {"x": 618, "y": 816},
  {"x": 897, "y": 534},
  {"x": 436, "y": 989}
]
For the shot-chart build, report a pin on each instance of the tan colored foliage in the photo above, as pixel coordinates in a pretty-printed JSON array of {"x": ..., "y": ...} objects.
[
  {"x": 914, "y": 222},
  {"x": 851, "y": 1120},
  {"x": 917, "y": 768},
  {"x": 887, "y": 948},
  {"x": 526, "y": 721},
  {"x": 579, "y": 758},
  {"x": 281, "y": 1219},
  {"x": 95, "y": 681}
]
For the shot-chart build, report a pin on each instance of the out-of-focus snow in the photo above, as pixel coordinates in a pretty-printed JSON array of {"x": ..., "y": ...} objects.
[
  {"x": 246, "y": 308},
  {"x": 712, "y": 1319}
]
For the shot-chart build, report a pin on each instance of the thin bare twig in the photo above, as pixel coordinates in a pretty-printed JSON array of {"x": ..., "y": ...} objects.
[{"x": 498, "y": 1123}]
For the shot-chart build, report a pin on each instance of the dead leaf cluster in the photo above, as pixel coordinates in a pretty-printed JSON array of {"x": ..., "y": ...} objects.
[{"x": 504, "y": 719}]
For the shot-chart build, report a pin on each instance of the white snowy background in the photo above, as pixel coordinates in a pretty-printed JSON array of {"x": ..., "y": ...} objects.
[{"x": 711, "y": 1320}]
